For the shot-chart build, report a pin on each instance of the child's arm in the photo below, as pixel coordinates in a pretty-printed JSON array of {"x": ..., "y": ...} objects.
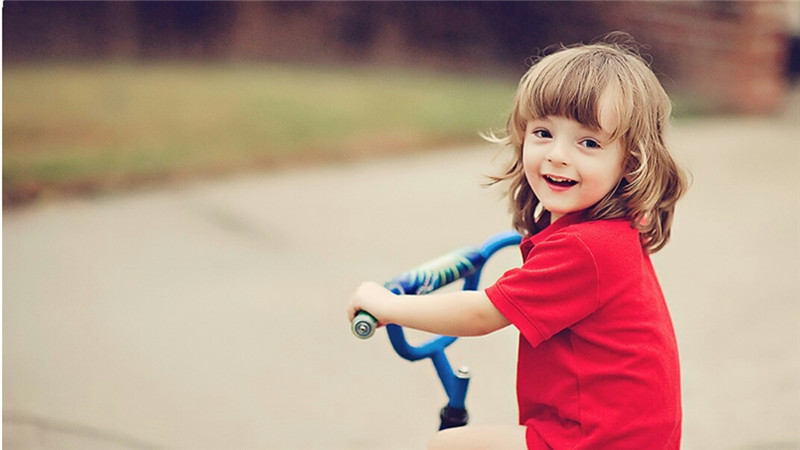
[{"x": 462, "y": 313}]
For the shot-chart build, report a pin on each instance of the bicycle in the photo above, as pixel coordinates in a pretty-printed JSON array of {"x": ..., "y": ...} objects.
[{"x": 466, "y": 263}]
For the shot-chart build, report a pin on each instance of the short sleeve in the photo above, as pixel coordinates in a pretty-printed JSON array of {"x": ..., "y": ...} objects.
[{"x": 557, "y": 286}]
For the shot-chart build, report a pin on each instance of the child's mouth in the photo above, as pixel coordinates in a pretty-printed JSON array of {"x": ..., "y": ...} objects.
[{"x": 559, "y": 181}]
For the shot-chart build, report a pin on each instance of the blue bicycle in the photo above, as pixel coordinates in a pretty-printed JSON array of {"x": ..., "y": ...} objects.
[{"x": 466, "y": 263}]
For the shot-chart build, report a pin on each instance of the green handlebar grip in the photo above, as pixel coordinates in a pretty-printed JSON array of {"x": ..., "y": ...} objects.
[{"x": 363, "y": 325}]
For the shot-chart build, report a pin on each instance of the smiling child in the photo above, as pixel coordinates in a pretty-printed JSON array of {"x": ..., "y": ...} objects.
[{"x": 592, "y": 189}]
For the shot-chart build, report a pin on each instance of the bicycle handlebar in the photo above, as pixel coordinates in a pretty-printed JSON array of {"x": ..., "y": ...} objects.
[
  {"x": 363, "y": 325},
  {"x": 465, "y": 263},
  {"x": 425, "y": 278},
  {"x": 438, "y": 272}
]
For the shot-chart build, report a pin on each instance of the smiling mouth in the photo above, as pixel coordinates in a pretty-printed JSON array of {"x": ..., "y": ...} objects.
[{"x": 560, "y": 182}]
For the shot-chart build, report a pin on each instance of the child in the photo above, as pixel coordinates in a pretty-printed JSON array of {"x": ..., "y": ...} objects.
[{"x": 593, "y": 190}]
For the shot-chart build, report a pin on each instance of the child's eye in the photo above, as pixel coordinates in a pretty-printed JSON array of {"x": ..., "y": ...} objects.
[
  {"x": 542, "y": 134},
  {"x": 590, "y": 143}
]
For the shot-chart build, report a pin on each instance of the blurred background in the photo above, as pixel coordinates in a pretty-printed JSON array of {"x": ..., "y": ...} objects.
[
  {"x": 101, "y": 95},
  {"x": 191, "y": 190}
]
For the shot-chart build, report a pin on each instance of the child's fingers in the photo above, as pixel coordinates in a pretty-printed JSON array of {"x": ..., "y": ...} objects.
[
  {"x": 352, "y": 308},
  {"x": 355, "y": 304},
  {"x": 366, "y": 298}
]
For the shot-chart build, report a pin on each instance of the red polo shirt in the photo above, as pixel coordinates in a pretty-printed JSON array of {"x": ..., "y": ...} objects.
[{"x": 598, "y": 360}]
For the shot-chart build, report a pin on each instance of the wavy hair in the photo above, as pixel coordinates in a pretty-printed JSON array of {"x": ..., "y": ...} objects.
[{"x": 569, "y": 82}]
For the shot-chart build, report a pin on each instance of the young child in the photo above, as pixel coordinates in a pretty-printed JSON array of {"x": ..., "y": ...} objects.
[{"x": 593, "y": 190}]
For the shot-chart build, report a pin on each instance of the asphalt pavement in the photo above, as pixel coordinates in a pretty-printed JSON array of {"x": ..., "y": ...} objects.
[{"x": 211, "y": 315}]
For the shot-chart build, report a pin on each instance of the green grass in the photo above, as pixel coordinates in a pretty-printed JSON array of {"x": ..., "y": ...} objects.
[{"x": 85, "y": 127}]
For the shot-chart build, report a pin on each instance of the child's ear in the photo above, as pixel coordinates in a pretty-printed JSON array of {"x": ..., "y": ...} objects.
[{"x": 629, "y": 168}]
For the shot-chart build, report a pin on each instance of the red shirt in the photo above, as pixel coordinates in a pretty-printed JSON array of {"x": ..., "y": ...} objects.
[{"x": 598, "y": 359}]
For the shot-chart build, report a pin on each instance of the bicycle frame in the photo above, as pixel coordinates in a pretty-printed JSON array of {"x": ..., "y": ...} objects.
[{"x": 466, "y": 263}]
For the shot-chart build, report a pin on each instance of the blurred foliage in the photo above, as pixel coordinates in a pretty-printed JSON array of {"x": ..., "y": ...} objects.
[{"x": 97, "y": 126}]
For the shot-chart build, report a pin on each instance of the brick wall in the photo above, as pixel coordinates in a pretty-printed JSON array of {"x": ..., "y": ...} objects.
[
  {"x": 728, "y": 55},
  {"x": 725, "y": 55}
]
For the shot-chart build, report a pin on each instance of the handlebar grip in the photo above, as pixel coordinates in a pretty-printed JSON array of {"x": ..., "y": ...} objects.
[{"x": 363, "y": 325}]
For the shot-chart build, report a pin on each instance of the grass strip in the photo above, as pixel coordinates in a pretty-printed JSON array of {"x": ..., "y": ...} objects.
[{"x": 86, "y": 127}]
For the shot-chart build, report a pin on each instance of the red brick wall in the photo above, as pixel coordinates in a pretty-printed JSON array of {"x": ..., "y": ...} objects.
[
  {"x": 728, "y": 55},
  {"x": 724, "y": 55}
]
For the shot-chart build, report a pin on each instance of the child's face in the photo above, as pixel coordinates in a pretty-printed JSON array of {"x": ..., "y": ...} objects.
[{"x": 569, "y": 166}]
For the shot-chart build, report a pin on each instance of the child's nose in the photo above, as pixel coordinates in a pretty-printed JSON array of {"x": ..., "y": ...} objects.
[{"x": 558, "y": 153}]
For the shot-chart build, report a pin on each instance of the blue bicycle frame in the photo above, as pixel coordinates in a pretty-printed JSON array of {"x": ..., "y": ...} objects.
[{"x": 465, "y": 263}]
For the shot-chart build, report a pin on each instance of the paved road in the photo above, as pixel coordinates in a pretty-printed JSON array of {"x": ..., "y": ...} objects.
[{"x": 211, "y": 315}]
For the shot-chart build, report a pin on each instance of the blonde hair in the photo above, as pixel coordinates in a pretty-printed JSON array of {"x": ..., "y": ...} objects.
[{"x": 569, "y": 83}]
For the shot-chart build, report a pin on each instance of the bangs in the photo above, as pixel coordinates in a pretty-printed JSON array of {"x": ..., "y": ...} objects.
[{"x": 563, "y": 85}]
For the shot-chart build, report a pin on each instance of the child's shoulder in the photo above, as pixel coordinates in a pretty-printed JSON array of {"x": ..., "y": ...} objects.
[
  {"x": 601, "y": 227},
  {"x": 607, "y": 236}
]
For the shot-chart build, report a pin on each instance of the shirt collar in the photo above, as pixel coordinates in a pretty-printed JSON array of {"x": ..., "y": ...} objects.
[{"x": 529, "y": 242}]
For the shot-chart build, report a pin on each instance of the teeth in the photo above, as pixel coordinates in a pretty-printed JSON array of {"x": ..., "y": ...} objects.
[{"x": 560, "y": 180}]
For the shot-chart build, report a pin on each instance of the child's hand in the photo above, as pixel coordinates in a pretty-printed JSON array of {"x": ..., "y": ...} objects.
[{"x": 372, "y": 298}]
